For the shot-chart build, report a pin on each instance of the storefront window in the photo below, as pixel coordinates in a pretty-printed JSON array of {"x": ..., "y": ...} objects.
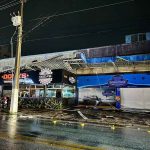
[
  {"x": 51, "y": 93},
  {"x": 68, "y": 92}
]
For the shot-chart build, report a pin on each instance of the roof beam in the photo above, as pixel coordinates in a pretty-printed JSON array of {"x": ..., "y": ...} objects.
[{"x": 143, "y": 67}]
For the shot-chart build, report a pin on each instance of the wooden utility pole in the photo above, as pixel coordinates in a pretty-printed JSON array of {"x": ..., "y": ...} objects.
[{"x": 15, "y": 86}]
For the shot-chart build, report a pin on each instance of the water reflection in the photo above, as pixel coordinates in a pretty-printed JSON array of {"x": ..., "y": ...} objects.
[
  {"x": 64, "y": 132},
  {"x": 3, "y": 118},
  {"x": 12, "y": 126}
]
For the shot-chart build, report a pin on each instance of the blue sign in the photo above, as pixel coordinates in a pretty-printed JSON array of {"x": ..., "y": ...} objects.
[{"x": 118, "y": 81}]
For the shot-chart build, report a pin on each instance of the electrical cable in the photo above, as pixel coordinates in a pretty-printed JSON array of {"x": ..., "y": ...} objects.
[
  {"x": 9, "y": 4},
  {"x": 71, "y": 35},
  {"x": 56, "y": 15},
  {"x": 3, "y": 1},
  {"x": 5, "y": 27},
  {"x": 86, "y": 9},
  {"x": 81, "y": 10},
  {"x": 77, "y": 11},
  {"x": 11, "y": 42},
  {"x": 37, "y": 25}
]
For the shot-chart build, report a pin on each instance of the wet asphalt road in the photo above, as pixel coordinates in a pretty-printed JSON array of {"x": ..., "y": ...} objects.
[{"x": 23, "y": 133}]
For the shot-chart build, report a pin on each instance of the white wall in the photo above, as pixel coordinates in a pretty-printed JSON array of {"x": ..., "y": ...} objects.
[
  {"x": 135, "y": 98},
  {"x": 88, "y": 92}
]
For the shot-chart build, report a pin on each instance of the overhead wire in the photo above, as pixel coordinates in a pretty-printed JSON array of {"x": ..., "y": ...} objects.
[
  {"x": 3, "y": 1},
  {"x": 81, "y": 10},
  {"x": 41, "y": 22},
  {"x": 5, "y": 27},
  {"x": 9, "y": 4},
  {"x": 86, "y": 9},
  {"x": 11, "y": 42},
  {"x": 66, "y": 13}
]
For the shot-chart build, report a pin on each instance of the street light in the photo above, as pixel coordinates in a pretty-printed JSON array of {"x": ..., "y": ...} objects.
[{"x": 18, "y": 22}]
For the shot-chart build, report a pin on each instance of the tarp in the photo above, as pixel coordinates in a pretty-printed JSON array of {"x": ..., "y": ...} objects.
[
  {"x": 132, "y": 58},
  {"x": 125, "y": 80}
]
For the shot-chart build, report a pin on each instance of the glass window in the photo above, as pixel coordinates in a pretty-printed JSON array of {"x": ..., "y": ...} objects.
[
  {"x": 142, "y": 37},
  {"x": 51, "y": 93},
  {"x": 68, "y": 92},
  {"x": 41, "y": 93},
  {"x": 134, "y": 38}
]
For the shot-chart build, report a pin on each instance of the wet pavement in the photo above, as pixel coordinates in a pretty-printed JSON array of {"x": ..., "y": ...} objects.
[{"x": 28, "y": 133}]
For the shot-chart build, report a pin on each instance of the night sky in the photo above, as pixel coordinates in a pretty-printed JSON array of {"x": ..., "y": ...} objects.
[{"x": 92, "y": 28}]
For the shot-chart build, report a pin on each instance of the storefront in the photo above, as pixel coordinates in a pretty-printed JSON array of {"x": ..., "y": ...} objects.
[
  {"x": 44, "y": 83},
  {"x": 119, "y": 90}
]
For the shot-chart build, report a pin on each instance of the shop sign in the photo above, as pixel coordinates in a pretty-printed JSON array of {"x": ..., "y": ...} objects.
[
  {"x": 45, "y": 76},
  {"x": 72, "y": 80},
  {"x": 10, "y": 76},
  {"x": 118, "y": 81}
]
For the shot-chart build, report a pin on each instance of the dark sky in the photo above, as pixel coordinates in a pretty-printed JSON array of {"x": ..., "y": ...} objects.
[{"x": 92, "y": 28}]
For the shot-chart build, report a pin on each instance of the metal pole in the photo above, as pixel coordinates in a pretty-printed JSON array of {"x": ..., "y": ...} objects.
[{"x": 15, "y": 87}]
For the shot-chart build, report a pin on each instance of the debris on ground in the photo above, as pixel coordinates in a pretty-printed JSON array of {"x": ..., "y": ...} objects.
[{"x": 103, "y": 117}]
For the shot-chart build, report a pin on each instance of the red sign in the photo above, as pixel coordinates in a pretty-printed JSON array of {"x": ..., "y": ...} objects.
[{"x": 10, "y": 76}]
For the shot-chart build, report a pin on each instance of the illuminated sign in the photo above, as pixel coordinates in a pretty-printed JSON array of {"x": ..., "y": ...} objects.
[
  {"x": 72, "y": 80},
  {"x": 10, "y": 76},
  {"x": 45, "y": 76}
]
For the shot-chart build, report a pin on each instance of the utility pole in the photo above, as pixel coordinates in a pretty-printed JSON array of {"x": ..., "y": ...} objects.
[{"x": 17, "y": 21}]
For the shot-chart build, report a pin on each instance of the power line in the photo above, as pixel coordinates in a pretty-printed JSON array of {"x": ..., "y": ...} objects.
[
  {"x": 81, "y": 10},
  {"x": 3, "y": 1},
  {"x": 86, "y": 9},
  {"x": 58, "y": 37},
  {"x": 9, "y": 4},
  {"x": 92, "y": 8},
  {"x": 44, "y": 19},
  {"x": 76, "y": 35},
  {"x": 41, "y": 22},
  {"x": 70, "y": 35},
  {"x": 64, "y": 36},
  {"x": 5, "y": 27},
  {"x": 5, "y": 44}
]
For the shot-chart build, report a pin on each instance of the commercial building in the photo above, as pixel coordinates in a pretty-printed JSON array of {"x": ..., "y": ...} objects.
[{"x": 115, "y": 75}]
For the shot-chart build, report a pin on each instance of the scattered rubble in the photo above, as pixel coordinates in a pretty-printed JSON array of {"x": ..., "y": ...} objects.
[{"x": 102, "y": 117}]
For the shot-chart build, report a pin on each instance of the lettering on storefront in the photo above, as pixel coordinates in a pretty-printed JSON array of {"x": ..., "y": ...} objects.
[
  {"x": 118, "y": 81},
  {"x": 10, "y": 76}
]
